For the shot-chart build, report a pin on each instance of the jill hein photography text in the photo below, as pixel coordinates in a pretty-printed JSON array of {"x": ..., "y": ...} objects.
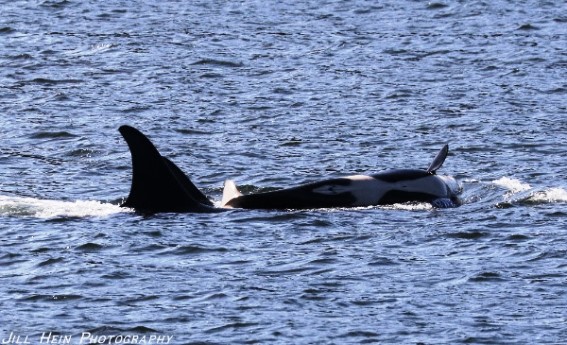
[{"x": 85, "y": 338}]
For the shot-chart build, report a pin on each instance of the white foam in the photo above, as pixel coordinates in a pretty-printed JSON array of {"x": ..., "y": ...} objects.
[
  {"x": 421, "y": 206},
  {"x": 31, "y": 207},
  {"x": 519, "y": 191},
  {"x": 512, "y": 184},
  {"x": 551, "y": 195}
]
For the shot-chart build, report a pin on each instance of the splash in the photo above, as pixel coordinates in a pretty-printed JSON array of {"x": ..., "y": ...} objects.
[
  {"x": 31, "y": 207},
  {"x": 522, "y": 193},
  {"x": 512, "y": 184},
  {"x": 551, "y": 195},
  {"x": 410, "y": 206}
]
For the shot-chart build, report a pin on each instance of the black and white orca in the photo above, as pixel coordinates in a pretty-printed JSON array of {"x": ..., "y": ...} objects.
[{"x": 158, "y": 185}]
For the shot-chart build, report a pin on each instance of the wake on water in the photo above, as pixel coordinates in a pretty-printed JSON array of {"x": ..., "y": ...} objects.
[
  {"x": 516, "y": 192},
  {"x": 48, "y": 209}
]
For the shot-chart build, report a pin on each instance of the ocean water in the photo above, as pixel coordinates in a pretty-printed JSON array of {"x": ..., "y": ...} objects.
[{"x": 273, "y": 94}]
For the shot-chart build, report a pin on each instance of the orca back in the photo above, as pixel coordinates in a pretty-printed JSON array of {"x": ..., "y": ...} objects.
[
  {"x": 297, "y": 198},
  {"x": 397, "y": 175}
]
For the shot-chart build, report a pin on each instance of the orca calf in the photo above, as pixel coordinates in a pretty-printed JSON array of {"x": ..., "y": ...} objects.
[{"x": 158, "y": 185}]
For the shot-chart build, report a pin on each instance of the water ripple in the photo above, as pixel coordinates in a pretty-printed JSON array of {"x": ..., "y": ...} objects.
[{"x": 275, "y": 94}]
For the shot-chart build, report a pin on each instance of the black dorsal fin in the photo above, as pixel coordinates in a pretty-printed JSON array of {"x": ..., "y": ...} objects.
[
  {"x": 158, "y": 185},
  {"x": 186, "y": 183},
  {"x": 439, "y": 160}
]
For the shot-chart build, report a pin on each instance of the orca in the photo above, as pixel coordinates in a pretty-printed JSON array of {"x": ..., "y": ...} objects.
[{"x": 158, "y": 185}]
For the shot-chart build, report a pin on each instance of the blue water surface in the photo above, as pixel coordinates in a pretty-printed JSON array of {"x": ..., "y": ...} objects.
[{"x": 273, "y": 94}]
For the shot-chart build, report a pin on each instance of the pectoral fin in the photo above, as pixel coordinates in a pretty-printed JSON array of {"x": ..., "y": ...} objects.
[{"x": 439, "y": 160}]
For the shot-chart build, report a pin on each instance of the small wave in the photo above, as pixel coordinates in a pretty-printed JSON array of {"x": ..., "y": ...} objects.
[
  {"x": 55, "y": 4},
  {"x": 483, "y": 277},
  {"x": 52, "y": 135},
  {"x": 92, "y": 50},
  {"x": 551, "y": 195},
  {"x": 219, "y": 63},
  {"x": 7, "y": 30},
  {"x": 49, "y": 82},
  {"x": 522, "y": 193},
  {"x": 513, "y": 185},
  {"x": 436, "y": 5},
  {"x": 47, "y": 209}
]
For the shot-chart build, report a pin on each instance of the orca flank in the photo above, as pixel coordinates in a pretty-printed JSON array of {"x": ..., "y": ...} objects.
[{"x": 158, "y": 185}]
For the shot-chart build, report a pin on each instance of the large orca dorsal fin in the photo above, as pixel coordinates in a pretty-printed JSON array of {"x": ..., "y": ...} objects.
[
  {"x": 158, "y": 185},
  {"x": 187, "y": 184},
  {"x": 439, "y": 160}
]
